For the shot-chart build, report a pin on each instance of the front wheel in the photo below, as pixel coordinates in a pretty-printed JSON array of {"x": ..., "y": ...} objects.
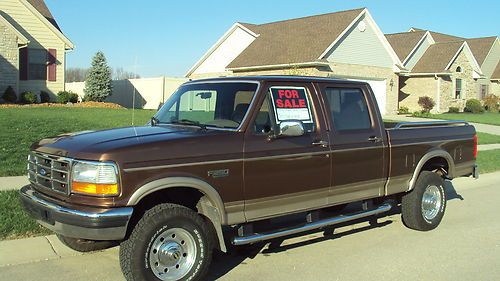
[
  {"x": 170, "y": 242},
  {"x": 423, "y": 207}
]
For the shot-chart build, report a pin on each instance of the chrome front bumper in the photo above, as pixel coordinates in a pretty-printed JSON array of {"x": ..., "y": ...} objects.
[{"x": 88, "y": 223}]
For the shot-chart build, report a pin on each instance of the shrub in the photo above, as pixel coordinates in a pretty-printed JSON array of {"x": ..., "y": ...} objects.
[
  {"x": 98, "y": 83},
  {"x": 44, "y": 97},
  {"x": 453, "y": 109},
  {"x": 10, "y": 95},
  {"x": 421, "y": 114},
  {"x": 474, "y": 106},
  {"x": 491, "y": 103},
  {"x": 28, "y": 98},
  {"x": 67, "y": 96},
  {"x": 426, "y": 103},
  {"x": 404, "y": 110}
]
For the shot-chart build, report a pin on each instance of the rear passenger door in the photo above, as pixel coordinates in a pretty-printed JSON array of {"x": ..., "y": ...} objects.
[{"x": 357, "y": 143}]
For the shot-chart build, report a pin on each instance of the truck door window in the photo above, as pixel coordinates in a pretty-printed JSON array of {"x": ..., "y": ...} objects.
[
  {"x": 262, "y": 123},
  {"x": 292, "y": 103},
  {"x": 348, "y": 109}
]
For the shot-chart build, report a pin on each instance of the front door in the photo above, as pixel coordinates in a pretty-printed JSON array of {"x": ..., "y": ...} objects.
[
  {"x": 357, "y": 143},
  {"x": 286, "y": 174}
]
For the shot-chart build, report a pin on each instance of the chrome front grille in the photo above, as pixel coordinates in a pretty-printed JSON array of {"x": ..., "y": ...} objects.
[{"x": 49, "y": 171}]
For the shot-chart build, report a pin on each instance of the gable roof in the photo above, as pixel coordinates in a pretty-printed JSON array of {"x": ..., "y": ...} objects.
[
  {"x": 20, "y": 37},
  {"x": 441, "y": 37},
  {"x": 437, "y": 57},
  {"x": 294, "y": 41},
  {"x": 404, "y": 42},
  {"x": 496, "y": 73},
  {"x": 42, "y": 8},
  {"x": 480, "y": 47}
]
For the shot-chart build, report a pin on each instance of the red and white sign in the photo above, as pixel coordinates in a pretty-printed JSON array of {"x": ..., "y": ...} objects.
[{"x": 291, "y": 103}]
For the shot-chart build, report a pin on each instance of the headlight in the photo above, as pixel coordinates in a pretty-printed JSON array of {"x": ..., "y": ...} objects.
[{"x": 94, "y": 178}]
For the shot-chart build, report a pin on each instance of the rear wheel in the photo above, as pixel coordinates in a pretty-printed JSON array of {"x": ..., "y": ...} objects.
[
  {"x": 170, "y": 242},
  {"x": 423, "y": 208},
  {"x": 84, "y": 245}
]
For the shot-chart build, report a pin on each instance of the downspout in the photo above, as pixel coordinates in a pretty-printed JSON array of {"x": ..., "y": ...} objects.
[
  {"x": 18, "y": 66},
  {"x": 438, "y": 95}
]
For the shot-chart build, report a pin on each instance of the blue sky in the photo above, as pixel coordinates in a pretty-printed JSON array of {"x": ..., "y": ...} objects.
[{"x": 168, "y": 37}]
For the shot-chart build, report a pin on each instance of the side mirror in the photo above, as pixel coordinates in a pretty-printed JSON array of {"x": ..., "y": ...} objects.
[{"x": 291, "y": 128}]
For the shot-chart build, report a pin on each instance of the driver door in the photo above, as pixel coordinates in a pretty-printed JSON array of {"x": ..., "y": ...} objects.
[{"x": 285, "y": 174}]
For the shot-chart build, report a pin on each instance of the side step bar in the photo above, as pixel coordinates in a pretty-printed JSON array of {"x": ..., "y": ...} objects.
[{"x": 257, "y": 237}]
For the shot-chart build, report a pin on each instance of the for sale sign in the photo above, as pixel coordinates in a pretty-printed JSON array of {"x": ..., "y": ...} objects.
[{"x": 291, "y": 103}]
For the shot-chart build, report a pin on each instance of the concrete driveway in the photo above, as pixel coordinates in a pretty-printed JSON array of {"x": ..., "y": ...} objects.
[{"x": 466, "y": 246}]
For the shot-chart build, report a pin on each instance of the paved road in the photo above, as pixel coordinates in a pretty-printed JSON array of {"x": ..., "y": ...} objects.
[{"x": 465, "y": 247}]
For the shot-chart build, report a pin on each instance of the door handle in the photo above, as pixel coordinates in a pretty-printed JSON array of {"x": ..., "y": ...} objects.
[
  {"x": 374, "y": 139},
  {"x": 320, "y": 143}
]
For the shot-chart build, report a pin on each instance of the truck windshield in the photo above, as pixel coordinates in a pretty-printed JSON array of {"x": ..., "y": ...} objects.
[{"x": 220, "y": 105}]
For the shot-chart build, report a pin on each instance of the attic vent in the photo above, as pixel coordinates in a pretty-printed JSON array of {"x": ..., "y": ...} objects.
[
  {"x": 362, "y": 26},
  {"x": 459, "y": 69}
]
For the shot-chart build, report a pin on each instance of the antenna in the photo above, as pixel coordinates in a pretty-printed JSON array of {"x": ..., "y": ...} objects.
[{"x": 133, "y": 95}]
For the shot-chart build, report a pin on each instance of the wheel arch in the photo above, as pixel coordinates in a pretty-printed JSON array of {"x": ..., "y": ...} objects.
[
  {"x": 433, "y": 158},
  {"x": 210, "y": 204}
]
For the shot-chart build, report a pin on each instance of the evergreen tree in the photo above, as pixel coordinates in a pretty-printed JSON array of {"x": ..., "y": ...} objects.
[{"x": 98, "y": 83}]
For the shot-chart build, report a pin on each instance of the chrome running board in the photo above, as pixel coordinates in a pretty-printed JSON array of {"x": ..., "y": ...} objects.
[{"x": 257, "y": 237}]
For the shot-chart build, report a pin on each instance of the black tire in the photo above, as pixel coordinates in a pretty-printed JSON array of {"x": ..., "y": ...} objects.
[
  {"x": 84, "y": 245},
  {"x": 412, "y": 209},
  {"x": 136, "y": 251}
]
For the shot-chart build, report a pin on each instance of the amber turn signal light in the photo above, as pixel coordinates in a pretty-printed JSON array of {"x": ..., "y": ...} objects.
[{"x": 94, "y": 188}]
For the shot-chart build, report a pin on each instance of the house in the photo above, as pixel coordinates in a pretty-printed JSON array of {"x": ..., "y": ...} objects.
[
  {"x": 447, "y": 68},
  {"x": 495, "y": 80},
  {"x": 346, "y": 44},
  {"x": 32, "y": 48}
]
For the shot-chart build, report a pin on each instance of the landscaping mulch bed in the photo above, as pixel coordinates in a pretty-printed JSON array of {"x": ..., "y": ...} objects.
[{"x": 88, "y": 104}]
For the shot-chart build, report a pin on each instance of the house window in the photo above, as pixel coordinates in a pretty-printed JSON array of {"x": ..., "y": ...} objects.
[
  {"x": 37, "y": 64},
  {"x": 483, "y": 90},
  {"x": 459, "y": 69},
  {"x": 458, "y": 88}
]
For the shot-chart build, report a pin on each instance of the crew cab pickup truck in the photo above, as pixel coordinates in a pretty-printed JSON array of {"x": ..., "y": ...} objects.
[{"x": 224, "y": 158}]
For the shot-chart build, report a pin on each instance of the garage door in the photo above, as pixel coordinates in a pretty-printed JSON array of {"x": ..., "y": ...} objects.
[{"x": 379, "y": 88}]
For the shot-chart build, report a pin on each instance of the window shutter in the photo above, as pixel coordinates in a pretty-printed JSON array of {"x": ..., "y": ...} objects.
[
  {"x": 23, "y": 63},
  {"x": 52, "y": 65}
]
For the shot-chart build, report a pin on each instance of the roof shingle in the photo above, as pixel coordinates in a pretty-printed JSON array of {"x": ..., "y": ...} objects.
[
  {"x": 293, "y": 41},
  {"x": 404, "y": 42},
  {"x": 496, "y": 73},
  {"x": 437, "y": 57},
  {"x": 480, "y": 47},
  {"x": 42, "y": 8}
]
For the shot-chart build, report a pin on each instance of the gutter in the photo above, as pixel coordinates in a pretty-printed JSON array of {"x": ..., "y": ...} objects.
[{"x": 426, "y": 74}]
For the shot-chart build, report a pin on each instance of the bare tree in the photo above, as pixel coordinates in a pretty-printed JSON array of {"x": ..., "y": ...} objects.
[
  {"x": 76, "y": 74},
  {"x": 120, "y": 74}
]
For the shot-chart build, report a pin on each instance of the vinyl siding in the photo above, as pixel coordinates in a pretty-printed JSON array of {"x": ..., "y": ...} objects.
[
  {"x": 491, "y": 61},
  {"x": 40, "y": 36},
  {"x": 363, "y": 48},
  {"x": 419, "y": 52}
]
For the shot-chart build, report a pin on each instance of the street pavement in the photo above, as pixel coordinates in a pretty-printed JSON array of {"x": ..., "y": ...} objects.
[{"x": 466, "y": 246}]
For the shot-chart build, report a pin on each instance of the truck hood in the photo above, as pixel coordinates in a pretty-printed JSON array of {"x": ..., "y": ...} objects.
[{"x": 93, "y": 144}]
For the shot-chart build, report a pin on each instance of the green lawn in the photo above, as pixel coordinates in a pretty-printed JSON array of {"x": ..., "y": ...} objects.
[
  {"x": 488, "y": 161},
  {"x": 14, "y": 222},
  {"x": 491, "y": 118},
  {"x": 485, "y": 138},
  {"x": 20, "y": 127}
]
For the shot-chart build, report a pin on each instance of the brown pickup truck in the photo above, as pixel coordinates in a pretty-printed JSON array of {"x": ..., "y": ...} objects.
[{"x": 225, "y": 158}]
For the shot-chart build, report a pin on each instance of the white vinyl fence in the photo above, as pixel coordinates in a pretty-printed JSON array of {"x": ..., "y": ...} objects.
[{"x": 145, "y": 93}]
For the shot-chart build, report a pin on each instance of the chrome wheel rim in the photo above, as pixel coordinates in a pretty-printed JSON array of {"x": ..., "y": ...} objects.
[
  {"x": 431, "y": 202},
  {"x": 172, "y": 254}
]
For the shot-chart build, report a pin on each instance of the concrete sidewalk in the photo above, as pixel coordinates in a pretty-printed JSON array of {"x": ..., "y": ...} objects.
[
  {"x": 483, "y": 128},
  {"x": 12, "y": 183}
]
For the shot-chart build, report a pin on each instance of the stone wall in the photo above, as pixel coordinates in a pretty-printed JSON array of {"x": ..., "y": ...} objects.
[
  {"x": 470, "y": 87},
  {"x": 9, "y": 54}
]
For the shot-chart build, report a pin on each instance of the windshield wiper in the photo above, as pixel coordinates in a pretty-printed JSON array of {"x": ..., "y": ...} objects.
[{"x": 189, "y": 122}]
